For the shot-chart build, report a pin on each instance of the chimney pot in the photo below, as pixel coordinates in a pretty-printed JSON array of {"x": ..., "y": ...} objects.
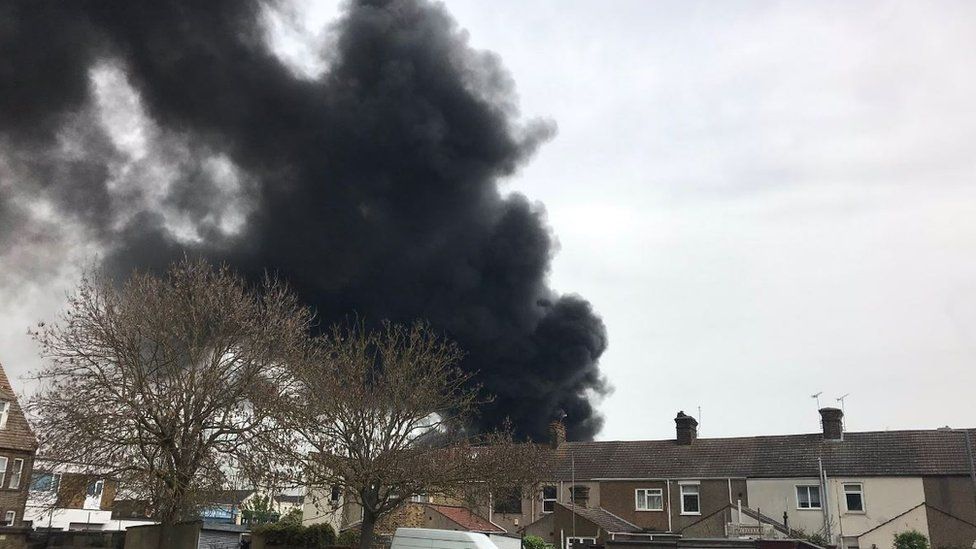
[
  {"x": 557, "y": 433},
  {"x": 832, "y": 421},
  {"x": 687, "y": 428}
]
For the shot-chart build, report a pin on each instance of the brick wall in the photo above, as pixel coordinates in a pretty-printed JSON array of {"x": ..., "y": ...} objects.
[{"x": 15, "y": 499}]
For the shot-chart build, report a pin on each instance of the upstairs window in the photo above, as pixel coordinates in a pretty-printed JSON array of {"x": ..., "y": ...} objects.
[
  {"x": 3, "y": 470},
  {"x": 508, "y": 501},
  {"x": 336, "y": 493},
  {"x": 45, "y": 482},
  {"x": 9, "y": 518},
  {"x": 548, "y": 499},
  {"x": 690, "y": 501},
  {"x": 854, "y": 495},
  {"x": 650, "y": 499},
  {"x": 4, "y": 413},
  {"x": 808, "y": 497},
  {"x": 16, "y": 473}
]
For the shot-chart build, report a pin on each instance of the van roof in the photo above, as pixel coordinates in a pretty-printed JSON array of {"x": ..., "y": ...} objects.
[{"x": 433, "y": 533}]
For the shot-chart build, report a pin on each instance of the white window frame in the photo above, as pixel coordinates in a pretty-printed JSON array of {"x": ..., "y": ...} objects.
[
  {"x": 3, "y": 469},
  {"x": 807, "y": 487},
  {"x": 569, "y": 540},
  {"x": 859, "y": 491},
  {"x": 16, "y": 473},
  {"x": 4, "y": 413},
  {"x": 659, "y": 492},
  {"x": 555, "y": 499},
  {"x": 9, "y": 518},
  {"x": 682, "y": 486}
]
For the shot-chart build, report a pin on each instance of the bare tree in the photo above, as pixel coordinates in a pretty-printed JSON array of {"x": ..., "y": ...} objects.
[
  {"x": 380, "y": 416},
  {"x": 165, "y": 381}
]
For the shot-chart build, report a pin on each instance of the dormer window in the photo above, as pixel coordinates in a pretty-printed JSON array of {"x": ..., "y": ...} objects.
[{"x": 4, "y": 413}]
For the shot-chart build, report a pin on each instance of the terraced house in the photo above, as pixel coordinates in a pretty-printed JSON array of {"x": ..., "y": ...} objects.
[{"x": 856, "y": 490}]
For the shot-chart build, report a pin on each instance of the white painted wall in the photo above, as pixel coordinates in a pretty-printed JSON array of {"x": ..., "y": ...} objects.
[
  {"x": 318, "y": 509},
  {"x": 884, "y": 498},
  {"x": 883, "y": 537},
  {"x": 774, "y": 496}
]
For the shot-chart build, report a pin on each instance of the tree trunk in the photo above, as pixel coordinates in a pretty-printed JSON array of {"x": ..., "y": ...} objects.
[{"x": 367, "y": 530}]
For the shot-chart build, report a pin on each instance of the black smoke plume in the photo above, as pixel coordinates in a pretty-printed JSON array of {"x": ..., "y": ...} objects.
[{"x": 372, "y": 188}]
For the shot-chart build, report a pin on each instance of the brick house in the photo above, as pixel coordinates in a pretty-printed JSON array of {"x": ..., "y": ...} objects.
[{"x": 17, "y": 448}]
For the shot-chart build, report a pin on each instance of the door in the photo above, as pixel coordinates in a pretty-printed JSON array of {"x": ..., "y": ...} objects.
[{"x": 93, "y": 496}]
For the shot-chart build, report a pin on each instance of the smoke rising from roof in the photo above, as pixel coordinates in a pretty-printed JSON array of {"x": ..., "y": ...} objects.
[{"x": 163, "y": 128}]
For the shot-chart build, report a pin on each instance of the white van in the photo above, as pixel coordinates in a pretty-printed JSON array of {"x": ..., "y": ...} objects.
[{"x": 428, "y": 538}]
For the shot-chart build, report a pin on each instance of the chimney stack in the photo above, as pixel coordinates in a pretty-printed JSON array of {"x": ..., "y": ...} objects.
[
  {"x": 557, "y": 433},
  {"x": 687, "y": 427},
  {"x": 832, "y": 420}
]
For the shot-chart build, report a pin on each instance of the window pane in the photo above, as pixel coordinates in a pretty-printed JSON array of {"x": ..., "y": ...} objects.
[
  {"x": 854, "y": 502},
  {"x": 814, "y": 496},
  {"x": 548, "y": 506},
  {"x": 549, "y": 492},
  {"x": 691, "y": 503},
  {"x": 802, "y": 497},
  {"x": 42, "y": 482},
  {"x": 655, "y": 501},
  {"x": 642, "y": 499}
]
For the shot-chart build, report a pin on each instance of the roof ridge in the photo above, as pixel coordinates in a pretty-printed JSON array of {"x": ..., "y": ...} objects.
[
  {"x": 899, "y": 515},
  {"x": 948, "y": 514},
  {"x": 625, "y": 521},
  {"x": 783, "y": 435}
]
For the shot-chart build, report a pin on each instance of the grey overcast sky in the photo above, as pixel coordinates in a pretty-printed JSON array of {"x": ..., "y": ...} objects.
[{"x": 763, "y": 200}]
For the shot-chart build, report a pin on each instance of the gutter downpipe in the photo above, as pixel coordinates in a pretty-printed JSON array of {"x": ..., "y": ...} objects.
[
  {"x": 824, "y": 499},
  {"x": 972, "y": 464},
  {"x": 670, "y": 509}
]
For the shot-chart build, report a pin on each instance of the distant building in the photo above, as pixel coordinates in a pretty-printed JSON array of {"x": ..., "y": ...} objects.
[{"x": 854, "y": 490}]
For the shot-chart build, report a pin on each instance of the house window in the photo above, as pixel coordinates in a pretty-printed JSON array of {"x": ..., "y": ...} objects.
[
  {"x": 3, "y": 470},
  {"x": 808, "y": 497},
  {"x": 548, "y": 499},
  {"x": 690, "y": 503},
  {"x": 579, "y": 495},
  {"x": 9, "y": 518},
  {"x": 95, "y": 489},
  {"x": 650, "y": 499},
  {"x": 420, "y": 498},
  {"x": 854, "y": 494},
  {"x": 336, "y": 493},
  {"x": 45, "y": 482},
  {"x": 16, "y": 473},
  {"x": 508, "y": 501},
  {"x": 570, "y": 541},
  {"x": 4, "y": 413}
]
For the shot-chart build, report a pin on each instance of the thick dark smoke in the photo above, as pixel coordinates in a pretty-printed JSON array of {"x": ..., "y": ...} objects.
[{"x": 373, "y": 189}]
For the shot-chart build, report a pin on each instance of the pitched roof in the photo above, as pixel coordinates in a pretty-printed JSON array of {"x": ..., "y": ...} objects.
[
  {"x": 229, "y": 497},
  {"x": 876, "y": 453},
  {"x": 289, "y": 498},
  {"x": 466, "y": 519},
  {"x": 602, "y": 518},
  {"x": 17, "y": 434}
]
